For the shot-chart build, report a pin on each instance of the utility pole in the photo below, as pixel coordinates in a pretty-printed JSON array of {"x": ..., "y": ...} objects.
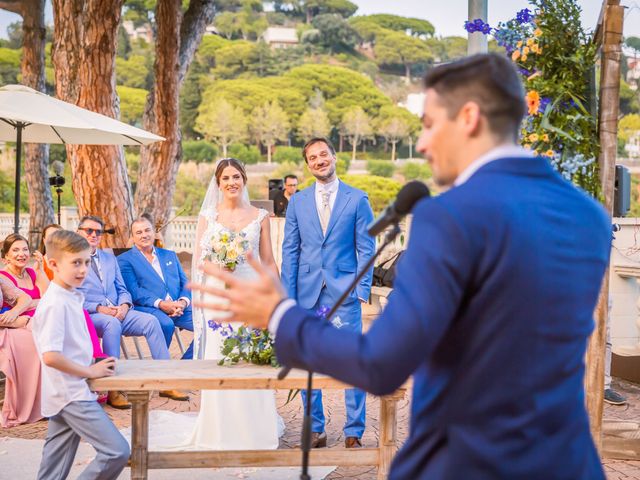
[{"x": 477, "y": 40}]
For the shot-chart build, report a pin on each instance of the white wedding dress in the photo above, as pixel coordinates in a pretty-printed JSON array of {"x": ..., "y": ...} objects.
[{"x": 228, "y": 419}]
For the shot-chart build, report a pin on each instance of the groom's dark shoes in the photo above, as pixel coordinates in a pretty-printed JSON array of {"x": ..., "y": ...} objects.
[
  {"x": 352, "y": 442},
  {"x": 318, "y": 439}
]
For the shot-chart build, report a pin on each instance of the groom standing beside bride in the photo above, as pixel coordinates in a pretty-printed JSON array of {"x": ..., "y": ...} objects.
[{"x": 325, "y": 244}]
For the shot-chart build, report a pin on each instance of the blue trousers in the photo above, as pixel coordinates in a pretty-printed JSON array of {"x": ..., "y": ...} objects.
[
  {"x": 349, "y": 317},
  {"x": 168, "y": 324},
  {"x": 135, "y": 324}
]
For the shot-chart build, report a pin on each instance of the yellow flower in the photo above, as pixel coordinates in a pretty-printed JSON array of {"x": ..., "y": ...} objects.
[
  {"x": 519, "y": 44},
  {"x": 537, "y": 32},
  {"x": 549, "y": 153},
  {"x": 533, "y": 137},
  {"x": 524, "y": 57},
  {"x": 515, "y": 55},
  {"x": 533, "y": 101},
  {"x": 545, "y": 138},
  {"x": 534, "y": 48},
  {"x": 525, "y": 50},
  {"x": 529, "y": 42},
  {"x": 527, "y": 146},
  {"x": 232, "y": 254}
]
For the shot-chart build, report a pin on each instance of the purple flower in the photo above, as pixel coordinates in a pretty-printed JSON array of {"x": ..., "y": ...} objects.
[
  {"x": 524, "y": 16},
  {"x": 477, "y": 25},
  {"x": 213, "y": 325},
  {"x": 544, "y": 102},
  {"x": 323, "y": 311}
]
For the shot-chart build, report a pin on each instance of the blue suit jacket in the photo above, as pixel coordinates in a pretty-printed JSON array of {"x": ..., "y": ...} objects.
[
  {"x": 145, "y": 284},
  {"x": 308, "y": 257},
  {"x": 112, "y": 287},
  {"x": 491, "y": 310}
]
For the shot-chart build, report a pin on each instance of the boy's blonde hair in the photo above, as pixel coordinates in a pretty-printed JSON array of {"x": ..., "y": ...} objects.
[{"x": 64, "y": 241}]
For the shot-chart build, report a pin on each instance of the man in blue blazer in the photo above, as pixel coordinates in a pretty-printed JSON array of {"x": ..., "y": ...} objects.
[
  {"x": 325, "y": 245},
  {"x": 492, "y": 304},
  {"x": 110, "y": 306},
  {"x": 157, "y": 282}
]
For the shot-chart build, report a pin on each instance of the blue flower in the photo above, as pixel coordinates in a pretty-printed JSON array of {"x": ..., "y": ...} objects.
[
  {"x": 544, "y": 102},
  {"x": 213, "y": 325},
  {"x": 477, "y": 25},
  {"x": 524, "y": 16},
  {"x": 323, "y": 311}
]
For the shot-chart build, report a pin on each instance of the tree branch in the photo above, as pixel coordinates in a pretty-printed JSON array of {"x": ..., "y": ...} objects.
[
  {"x": 14, "y": 6},
  {"x": 199, "y": 14}
]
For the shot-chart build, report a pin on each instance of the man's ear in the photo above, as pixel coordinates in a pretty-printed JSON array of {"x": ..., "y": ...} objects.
[{"x": 470, "y": 118}]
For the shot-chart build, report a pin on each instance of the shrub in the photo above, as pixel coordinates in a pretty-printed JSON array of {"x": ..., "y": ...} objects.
[
  {"x": 250, "y": 155},
  {"x": 342, "y": 165},
  {"x": 287, "y": 154},
  {"x": 416, "y": 171},
  {"x": 380, "y": 168},
  {"x": 199, "y": 151}
]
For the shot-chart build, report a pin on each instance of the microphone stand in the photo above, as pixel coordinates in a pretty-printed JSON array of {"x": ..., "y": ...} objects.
[{"x": 389, "y": 237}]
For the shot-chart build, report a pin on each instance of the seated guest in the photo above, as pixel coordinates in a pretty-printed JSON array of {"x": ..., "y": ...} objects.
[
  {"x": 19, "y": 359},
  {"x": 46, "y": 233},
  {"x": 16, "y": 256},
  {"x": 156, "y": 281},
  {"x": 110, "y": 306},
  {"x": 281, "y": 200}
]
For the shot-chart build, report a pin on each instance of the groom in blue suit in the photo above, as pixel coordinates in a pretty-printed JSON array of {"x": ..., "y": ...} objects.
[
  {"x": 325, "y": 245},
  {"x": 157, "y": 282},
  {"x": 492, "y": 304}
]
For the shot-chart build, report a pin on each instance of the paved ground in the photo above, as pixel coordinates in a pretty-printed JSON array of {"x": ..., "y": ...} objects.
[{"x": 334, "y": 409}]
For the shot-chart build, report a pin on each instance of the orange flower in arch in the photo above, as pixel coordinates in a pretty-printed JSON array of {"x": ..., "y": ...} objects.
[{"x": 533, "y": 101}]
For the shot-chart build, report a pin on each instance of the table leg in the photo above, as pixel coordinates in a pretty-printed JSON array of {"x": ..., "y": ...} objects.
[
  {"x": 139, "y": 433},
  {"x": 388, "y": 438}
]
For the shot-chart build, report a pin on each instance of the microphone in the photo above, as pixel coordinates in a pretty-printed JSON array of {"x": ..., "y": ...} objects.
[
  {"x": 58, "y": 168},
  {"x": 407, "y": 197}
]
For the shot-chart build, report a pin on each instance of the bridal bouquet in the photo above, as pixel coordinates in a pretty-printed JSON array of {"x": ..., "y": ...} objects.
[
  {"x": 229, "y": 249},
  {"x": 245, "y": 344}
]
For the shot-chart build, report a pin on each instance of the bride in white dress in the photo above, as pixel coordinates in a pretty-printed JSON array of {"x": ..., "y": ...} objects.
[{"x": 231, "y": 419}]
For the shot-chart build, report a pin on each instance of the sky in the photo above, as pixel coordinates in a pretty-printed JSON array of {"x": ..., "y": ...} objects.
[{"x": 446, "y": 16}]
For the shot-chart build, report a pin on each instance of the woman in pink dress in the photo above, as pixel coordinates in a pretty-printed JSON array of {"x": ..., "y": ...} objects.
[{"x": 19, "y": 359}]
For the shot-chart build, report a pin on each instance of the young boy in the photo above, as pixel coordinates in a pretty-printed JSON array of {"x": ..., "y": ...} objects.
[{"x": 63, "y": 343}]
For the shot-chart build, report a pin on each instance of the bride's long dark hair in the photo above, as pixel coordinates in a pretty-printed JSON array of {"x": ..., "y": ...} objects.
[{"x": 230, "y": 162}]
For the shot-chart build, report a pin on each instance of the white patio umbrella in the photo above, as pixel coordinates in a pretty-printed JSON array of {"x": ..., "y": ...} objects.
[{"x": 27, "y": 115}]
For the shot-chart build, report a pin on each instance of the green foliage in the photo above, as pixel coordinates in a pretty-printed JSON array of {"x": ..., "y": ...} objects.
[
  {"x": 199, "y": 151},
  {"x": 629, "y": 99},
  {"x": 14, "y": 34},
  {"x": 246, "y": 345},
  {"x": 356, "y": 126},
  {"x": 208, "y": 49},
  {"x": 250, "y": 155},
  {"x": 236, "y": 58},
  {"x": 380, "y": 168},
  {"x": 416, "y": 171},
  {"x": 7, "y": 193},
  {"x": 335, "y": 33},
  {"x": 344, "y": 8},
  {"x": 343, "y": 161},
  {"x": 448, "y": 48},
  {"x": 133, "y": 72},
  {"x": 9, "y": 65},
  {"x": 191, "y": 98},
  {"x": 314, "y": 122},
  {"x": 189, "y": 194},
  {"x": 269, "y": 125},
  {"x": 396, "y": 48},
  {"x": 415, "y": 26},
  {"x": 287, "y": 154},
  {"x": 633, "y": 43},
  {"x": 132, "y": 103},
  {"x": 222, "y": 123}
]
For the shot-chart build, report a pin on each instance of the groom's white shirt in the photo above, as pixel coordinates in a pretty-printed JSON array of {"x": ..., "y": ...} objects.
[{"x": 332, "y": 188}]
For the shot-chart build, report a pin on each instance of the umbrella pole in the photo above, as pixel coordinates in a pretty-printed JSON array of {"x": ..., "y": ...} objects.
[{"x": 16, "y": 220}]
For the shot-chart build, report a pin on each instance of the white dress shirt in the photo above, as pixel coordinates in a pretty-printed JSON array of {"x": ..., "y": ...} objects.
[
  {"x": 59, "y": 326},
  {"x": 155, "y": 264}
]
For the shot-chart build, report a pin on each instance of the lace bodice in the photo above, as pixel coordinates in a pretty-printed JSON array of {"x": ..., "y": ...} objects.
[{"x": 252, "y": 231}]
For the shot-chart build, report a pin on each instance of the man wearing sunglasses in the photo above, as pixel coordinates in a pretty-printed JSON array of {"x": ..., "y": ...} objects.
[{"x": 110, "y": 306}]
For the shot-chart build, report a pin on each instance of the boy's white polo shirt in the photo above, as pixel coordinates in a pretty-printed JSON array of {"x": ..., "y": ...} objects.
[{"x": 59, "y": 325}]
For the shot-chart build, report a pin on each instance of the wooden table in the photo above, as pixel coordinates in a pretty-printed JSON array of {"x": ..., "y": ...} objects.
[{"x": 139, "y": 377}]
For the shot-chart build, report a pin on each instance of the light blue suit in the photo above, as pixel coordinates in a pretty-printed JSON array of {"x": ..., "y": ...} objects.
[
  {"x": 111, "y": 290},
  {"x": 317, "y": 268},
  {"x": 147, "y": 287}
]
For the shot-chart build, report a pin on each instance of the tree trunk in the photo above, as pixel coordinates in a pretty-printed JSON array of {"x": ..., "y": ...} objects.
[
  {"x": 159, "y": 161},
  {"x": 341, "y": 143},
  {"x": 176, "y": 43},
  {"x": 393, "y": 151},
  {"x": 268, "y": 153},
  {"x": 84, "y": 50},
  {"x": 354, "y": 145},
  {"x": 36, "y": 155},
  {"x": 407, "y": 74}
]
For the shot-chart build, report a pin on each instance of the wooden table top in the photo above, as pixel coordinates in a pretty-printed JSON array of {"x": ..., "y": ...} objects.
[{"x": 132, "y": 375}]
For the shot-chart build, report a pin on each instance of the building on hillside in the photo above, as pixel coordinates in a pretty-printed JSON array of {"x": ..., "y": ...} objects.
[
  {"x": 211, "y": 30},
  {"x": 414, "y": 103},
  {"x": 632, "y": 147},
  {"x": 144, "y": 32},
  {"x": 633, "y": 72},
  {"x": 280, "y": 37}
]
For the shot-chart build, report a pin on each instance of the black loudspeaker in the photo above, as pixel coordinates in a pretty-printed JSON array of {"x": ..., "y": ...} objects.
[
  {"x": 276, "y": 185},
  {"x": 622, "y": 192}
]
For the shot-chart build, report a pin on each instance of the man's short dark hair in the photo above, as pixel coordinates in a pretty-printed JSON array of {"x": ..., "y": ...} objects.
[
  {"x": 290, "y": 176},
  {"x": 91, "y": 218},
  {"x": 315, "y": 140},
  {"x": 491, "y": 81}
]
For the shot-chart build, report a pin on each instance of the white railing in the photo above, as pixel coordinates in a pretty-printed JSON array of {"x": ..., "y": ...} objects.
[{"x": 181, "y": 232}]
